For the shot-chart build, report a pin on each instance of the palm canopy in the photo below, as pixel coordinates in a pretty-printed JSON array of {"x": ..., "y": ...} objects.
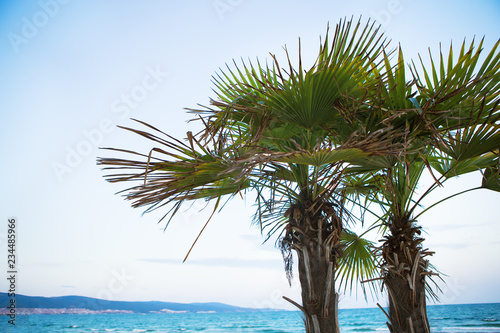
[
  {"x": 456, "y": 108},
  {"x": 468, "y": 89},
  {"x": 463, "y": 102},
  {"x": 289, "y": 134}
]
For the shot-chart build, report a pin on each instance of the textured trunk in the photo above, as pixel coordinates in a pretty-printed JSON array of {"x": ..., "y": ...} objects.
[
  {"x": 404, "y": 276},
  {"x": 319, "y": 300},
  {"x": 315, "y": 237}
]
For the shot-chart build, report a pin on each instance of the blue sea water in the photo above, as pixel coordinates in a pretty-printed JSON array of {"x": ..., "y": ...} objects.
[{"x": 442, "y": 318}]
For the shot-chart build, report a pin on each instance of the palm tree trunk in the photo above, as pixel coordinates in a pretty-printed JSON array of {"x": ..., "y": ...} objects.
[
  {"x": 316, "y": 240},
  {"x": 319, "y": 299},
  {"x": 404, "y": 273},
  {"x": 407, "y": 306}
]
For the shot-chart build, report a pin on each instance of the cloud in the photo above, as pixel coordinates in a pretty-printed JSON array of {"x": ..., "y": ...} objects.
[
  {"x": 258, "y": 242},
  {"x": 452, "y": 246},
  {"x": 222, "y": 262},
  {"x": 451, "y": 226}
]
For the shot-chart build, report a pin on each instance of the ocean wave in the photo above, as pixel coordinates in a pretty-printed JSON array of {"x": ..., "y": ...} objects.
[
  {"x": 448, "y": 319},
  {"x": 472, "y": 329}
]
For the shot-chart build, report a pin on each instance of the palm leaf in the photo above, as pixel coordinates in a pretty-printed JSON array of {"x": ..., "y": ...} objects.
[
  {"x": 357, "y": 262},
  {"x": 449, "y": 167},
  {"x": 457, "y": 86},
  {"x": 491, "y": 179},
  {"x": 472, "y": 141},
  {"x": 324, "y": 156}
]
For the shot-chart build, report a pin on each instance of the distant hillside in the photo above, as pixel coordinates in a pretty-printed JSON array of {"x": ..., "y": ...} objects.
[{"x": 81, "y": 302}]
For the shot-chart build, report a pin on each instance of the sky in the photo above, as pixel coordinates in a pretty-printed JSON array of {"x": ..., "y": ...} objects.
[{"x": 71, "y": 71}]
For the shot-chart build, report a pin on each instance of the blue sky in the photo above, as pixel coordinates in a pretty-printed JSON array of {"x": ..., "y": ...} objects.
[{"x": 73, "y": 70}]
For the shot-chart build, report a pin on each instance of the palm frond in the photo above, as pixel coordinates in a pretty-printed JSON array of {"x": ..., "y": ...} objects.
[
  {"x": 357, "y": 263},
  {"x": 491, "y": 178}
]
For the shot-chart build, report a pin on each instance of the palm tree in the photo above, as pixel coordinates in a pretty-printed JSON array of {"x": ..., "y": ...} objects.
[
  {"x": 466, "y": 137},
  {"x": 288, "y": 135}
]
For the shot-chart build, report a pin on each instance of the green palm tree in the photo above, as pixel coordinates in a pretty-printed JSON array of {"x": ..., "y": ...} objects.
[
  {"x": 464, "y": 105},
  {"x": 288, "y": 135}
]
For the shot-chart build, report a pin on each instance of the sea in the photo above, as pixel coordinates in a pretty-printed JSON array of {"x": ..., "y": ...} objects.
[{"x": 442, "y": 318}]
